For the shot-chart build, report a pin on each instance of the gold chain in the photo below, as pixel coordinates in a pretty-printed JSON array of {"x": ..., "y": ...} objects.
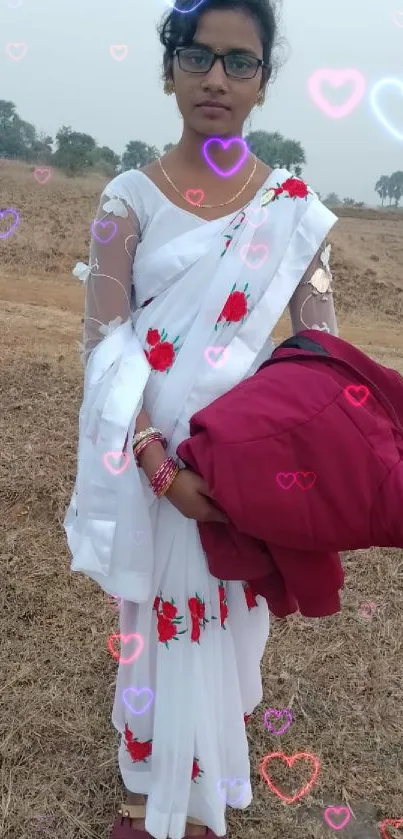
[{"x": 210, "y": 206}]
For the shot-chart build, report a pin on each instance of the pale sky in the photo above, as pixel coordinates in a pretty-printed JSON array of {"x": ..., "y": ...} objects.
[{"x": 67, "y": 76}]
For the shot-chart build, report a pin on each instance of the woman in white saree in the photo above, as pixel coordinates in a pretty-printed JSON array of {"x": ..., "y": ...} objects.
[{"x": 181, "y": 298}]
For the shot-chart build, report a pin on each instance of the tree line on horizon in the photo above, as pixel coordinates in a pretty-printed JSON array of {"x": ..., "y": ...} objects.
[{"x": 77, "y": 153}]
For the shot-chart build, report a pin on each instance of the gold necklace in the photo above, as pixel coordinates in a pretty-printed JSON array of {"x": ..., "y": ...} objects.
[{"x": 209, "y": 206}]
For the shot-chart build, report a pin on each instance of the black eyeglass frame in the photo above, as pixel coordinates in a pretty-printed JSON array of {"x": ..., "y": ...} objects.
[{"x": 222, "y": 56}]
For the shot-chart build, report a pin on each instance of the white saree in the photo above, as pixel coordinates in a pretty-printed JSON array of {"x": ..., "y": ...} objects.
[{"x": 203, "y": 304}]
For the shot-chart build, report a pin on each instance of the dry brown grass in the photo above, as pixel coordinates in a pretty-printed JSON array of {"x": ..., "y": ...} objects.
[{"x": 342, "y": 676}]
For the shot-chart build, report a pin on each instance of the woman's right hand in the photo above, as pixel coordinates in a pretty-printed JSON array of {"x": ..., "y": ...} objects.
[{"x": 190, "y": 495}]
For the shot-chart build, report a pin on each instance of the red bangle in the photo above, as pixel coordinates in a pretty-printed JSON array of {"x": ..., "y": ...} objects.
[{"x": 164, "y": 477}]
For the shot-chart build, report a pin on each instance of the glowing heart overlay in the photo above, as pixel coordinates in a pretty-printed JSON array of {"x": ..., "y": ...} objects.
[
  {"x": 254, "y": 211},
  {"x": 284, "y": 712},
  {"x": 356, "y": 394},
  {"x": 221, "y": 351},
  {"x": 336, "y": 78},
  {"x": 225, "y": 144},
  {"x": 232, "y": 783},
  {"x": 393, "y": 823},
  {"x": 374, "y": 97},
  {"x": 191, "y": 194},
  {"x": 304, "y": 480},
  {"x": 248, "y": 250},
  {"x": 10, "y": 212},
  {"x": 367, "y": 610},
  {"x": 12, "y": 49},
  {"x": 186, "y": 11},
  {"x": 290, "y": 762},
  {"x": 130, "y": 693},
  {"x": 104, "y": 224},
  {"x": 119, "y": 51},
  {"x": 42, "y": 175},
  {"x": 126, "y": 639},
  {"x": 116, "y": 456},
  {"x": 337, "y": 811}
]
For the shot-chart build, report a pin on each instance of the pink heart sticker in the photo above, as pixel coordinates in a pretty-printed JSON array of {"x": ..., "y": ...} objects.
[
  {"x": 336, "y": 78},
  {"x": 221, "y": 351},
  {"x": 104, "y": 225},
  {"x": 16, "y": 51},
  {"x": 116, "y": 456},
  {"x": 376, "y": 90},
  {"x": 367, "y": 610},
  {"x": 42, "y": 174},
  {"x": 356, "y": 394},
  {"x": 397, "y": 18},
  {"x": 247, "y": 249},
  {"x": 11, "y": 227},
  {"x": 225, "y": 145},
  {"x": 330, "y": 811},
  {"x": 119, "y": 51},
  {"x": 132, "y": 694},
  {"x": 305, "y": 480},
  {"x": 284, "y": 712},
  {"x": 256, "y": 211},
  {"x": 198, "y": 196},
  {"x": 285, "y": 480},
  {"x": 126, "y": 639}
]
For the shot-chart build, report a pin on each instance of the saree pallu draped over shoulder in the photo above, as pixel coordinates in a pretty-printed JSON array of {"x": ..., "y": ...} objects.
[{"x": 190, "y": 279}]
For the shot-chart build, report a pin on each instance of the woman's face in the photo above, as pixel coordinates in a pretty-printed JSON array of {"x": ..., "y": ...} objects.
[{"x": 225, "y": 31}]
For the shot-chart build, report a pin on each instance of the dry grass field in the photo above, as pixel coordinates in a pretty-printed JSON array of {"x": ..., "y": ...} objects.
[{"x": 341, "y": 676}]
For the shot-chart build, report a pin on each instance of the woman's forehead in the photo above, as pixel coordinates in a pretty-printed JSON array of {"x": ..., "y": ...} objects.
[{"x": 228, "y": 29}]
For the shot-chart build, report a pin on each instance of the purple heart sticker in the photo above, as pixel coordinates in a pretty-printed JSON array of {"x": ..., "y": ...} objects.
[
  {"x": 136, "y": 693},
  {"x": 10, "y": 212},
  {"x": 283, "y": 712},
  {"x": 225, "y": 144},
  {"x": 104, "y": 225},
  {"x": 232, "y": 782}
]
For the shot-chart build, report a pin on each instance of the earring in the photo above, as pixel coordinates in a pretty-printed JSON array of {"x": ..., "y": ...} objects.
[
  {"x": 169, "y": 87},
  {"x": 260, "y": 99}
]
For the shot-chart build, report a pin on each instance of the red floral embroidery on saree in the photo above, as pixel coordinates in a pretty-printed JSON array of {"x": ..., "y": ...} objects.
[
  {"x": 223, "y": 603},
  {"x": 249, "y": 596},
  {"x": 196, "y": 771},
  {"x": 293, "y": 186},
  {"x": 246, "y": 718},
  {"x": 235, "y": 308},
  {"x": 162, "y": 354},
  {"x": 228, "y": 236},
  {"x": 168, "y": 620},
  {"x": 138, "y": 750},
  {"x": 197, "y": 610}
]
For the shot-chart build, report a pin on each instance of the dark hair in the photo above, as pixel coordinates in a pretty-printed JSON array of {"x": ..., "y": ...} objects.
[{"x": 179, "y": 26}]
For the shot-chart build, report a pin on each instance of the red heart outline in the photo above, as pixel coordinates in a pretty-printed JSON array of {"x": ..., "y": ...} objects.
[
  {"x": 125, "y": 639},
  {"x": 348, "y": 392},
  {"x": 283, "y": 483},
  {"x": 290, "y": 761},
  {"x": 194, "y": 192},
  {"x": 393, "y": 823},
  {"x": 305, "y": 475}
]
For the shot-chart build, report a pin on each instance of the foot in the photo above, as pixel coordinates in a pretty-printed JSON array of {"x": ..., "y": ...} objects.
[{"x": 135, "y": 798}]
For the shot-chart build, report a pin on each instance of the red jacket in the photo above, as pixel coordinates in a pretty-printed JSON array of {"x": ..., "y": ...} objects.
[{"x": 306, "y": 459}]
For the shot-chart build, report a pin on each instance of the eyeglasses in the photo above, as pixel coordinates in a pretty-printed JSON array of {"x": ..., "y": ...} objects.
[{"x": 239, "y": 65}]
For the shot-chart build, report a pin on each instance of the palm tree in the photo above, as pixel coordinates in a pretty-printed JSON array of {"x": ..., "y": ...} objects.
[
  {"x": 382, "y": 187},
  {"x": 396, "y": 186},
  {"x": 275, "y": 150}
]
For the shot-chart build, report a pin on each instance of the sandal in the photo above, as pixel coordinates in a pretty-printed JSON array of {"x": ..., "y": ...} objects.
[{"x": 122, "y": 826}]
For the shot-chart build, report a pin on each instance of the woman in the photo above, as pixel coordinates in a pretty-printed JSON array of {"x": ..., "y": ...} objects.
[{"x": 193, "y": 260}]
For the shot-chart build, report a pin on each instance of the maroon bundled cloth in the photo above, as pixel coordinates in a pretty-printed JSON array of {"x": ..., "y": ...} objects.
[{"x": 306, "y": 459}]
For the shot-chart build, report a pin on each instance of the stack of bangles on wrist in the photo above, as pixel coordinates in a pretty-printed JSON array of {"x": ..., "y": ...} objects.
[{"x": 167, "y": 472}]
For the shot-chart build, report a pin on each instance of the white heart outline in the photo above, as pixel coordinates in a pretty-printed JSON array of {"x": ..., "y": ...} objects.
[{"x": 377, "y": 87}]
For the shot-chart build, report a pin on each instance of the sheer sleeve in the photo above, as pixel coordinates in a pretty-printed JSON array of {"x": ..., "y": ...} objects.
[
  {"x": 311, "y": 306},
  {"x": 115, "y": 233}
]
